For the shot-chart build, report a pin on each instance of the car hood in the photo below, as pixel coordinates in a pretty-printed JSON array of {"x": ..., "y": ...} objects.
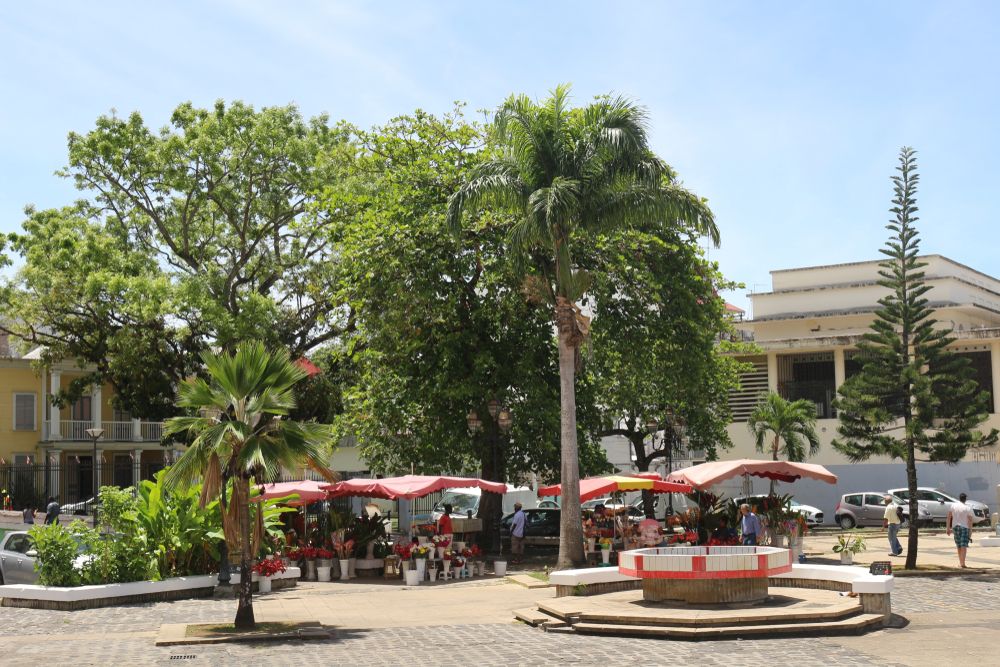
[{"x": 808, "y": 509}]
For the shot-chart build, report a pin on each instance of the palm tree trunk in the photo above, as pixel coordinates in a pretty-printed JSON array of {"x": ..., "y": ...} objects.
[
  {"x": 570, "y": 526},
  {"x": 244, "y": 610},
  {"x": 774, "y": 457}
]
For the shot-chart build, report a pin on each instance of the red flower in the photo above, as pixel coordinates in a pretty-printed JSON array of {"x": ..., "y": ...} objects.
[{"x": 268, "y": 567}]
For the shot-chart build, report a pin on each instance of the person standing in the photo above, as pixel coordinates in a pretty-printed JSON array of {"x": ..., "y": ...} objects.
[
  {"x": 750, "y": 526},
  {"x": 891, "y": 522},
  {"x": 28, "y": 515},
  {"x": 960, "y": 521},
  {"x": 52, "y": 510},
  {"x": 444, "y": 526},
  {"x": 517, "y": 534}
]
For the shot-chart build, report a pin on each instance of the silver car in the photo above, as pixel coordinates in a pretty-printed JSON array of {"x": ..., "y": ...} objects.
[
  {"x": 18, "y": 555},
  {"x": 938, "y": 504},
  {"x": 867, "y": 508}
]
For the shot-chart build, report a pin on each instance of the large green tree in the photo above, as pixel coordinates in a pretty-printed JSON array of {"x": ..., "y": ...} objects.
[
  {"x": 443, "y": 326},
  {"x": 237, "y": 433},
  {"x": 566, "y": 173},
  {"x": 203, "y": 233},
  {"x": 912, "y": 398}
]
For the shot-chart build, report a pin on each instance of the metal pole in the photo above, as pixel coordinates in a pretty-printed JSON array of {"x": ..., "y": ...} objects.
[
  {"x": 670, "y": 467},
  {"x": 96, "y": 481}
]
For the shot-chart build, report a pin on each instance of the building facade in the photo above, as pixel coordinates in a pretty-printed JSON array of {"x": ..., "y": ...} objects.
[{"x": 808, "y": 328}]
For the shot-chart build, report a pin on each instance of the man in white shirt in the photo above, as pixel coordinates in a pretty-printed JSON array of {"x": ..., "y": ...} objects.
[
  {"x": 890, "y": 521},
  {"x": 960, "y": 520},
  {"x": 517, "y": 534}
]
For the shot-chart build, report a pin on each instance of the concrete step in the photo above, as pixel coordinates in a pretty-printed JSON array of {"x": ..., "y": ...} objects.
[
  {"x": 535, "y": 617},
  {"x": 853, "y": 625},
  {"x": 727, "y": 617}
]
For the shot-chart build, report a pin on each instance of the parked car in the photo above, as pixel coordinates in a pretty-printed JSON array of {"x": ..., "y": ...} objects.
[
  {"x": 80, "y": 508},
  {"x": 938, "y": 504},
  {"x": 548, "y": 504},
  {"x": 465, "y": 500},
  {"x": 594, "y": 502},
  {"x": 867, "y": 508},
  {"x": 812, "y": 515},
  {"x": 18, "y": 555},
  {"x": 660, "y": 504},
  {"x": 541, "y": 527}
]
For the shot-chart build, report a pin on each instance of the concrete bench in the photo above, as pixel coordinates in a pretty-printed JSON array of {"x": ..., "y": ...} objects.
[
  {"x": 596, "y": 580},
  {"x": 874, "y": 589}
]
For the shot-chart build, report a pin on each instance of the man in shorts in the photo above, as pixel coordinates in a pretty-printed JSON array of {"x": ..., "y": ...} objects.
[{"x": 960, "y": 521}]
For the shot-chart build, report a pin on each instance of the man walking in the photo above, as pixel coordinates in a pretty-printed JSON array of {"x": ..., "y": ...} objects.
[
  {"x": 750, "y": 527},
  {"x": 890, "y": 521},
  {"x": 517, "y": 534},
  {"x": 52, "y": 512},
  {"x": 960, "y": 520}
]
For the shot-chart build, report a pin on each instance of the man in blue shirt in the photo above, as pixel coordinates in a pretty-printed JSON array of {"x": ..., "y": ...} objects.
[
  {"x": 750, "y": 526},
  {"x": 517, "y": 534}
]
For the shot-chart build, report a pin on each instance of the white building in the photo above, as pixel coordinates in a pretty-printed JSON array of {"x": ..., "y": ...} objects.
[{"x": 808, "y": 327}]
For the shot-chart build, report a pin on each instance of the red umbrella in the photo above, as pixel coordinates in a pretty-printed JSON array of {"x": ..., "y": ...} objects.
[
  {"x": 711, "y": 473},
  {"x": 307, "y": 491},
  {"x": 595, "y": 487},
  {"x": 408, "y": 486}
]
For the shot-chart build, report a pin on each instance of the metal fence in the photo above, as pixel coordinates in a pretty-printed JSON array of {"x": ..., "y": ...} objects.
[{"x": 70, "y": 482}]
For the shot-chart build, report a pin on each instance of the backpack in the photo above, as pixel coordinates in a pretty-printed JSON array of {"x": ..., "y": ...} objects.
[{"x": 899, "y": 512}]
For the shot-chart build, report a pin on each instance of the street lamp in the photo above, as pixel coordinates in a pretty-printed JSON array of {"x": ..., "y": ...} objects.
[
  {"x": 95, "y": 435},
  {"x": 674, "y": 426}
]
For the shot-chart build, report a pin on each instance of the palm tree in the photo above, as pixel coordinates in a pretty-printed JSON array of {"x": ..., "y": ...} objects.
[
  {"x": 567, "y": 173},
  {"x": 792, "y": 423},
  {"x": 239, "y": 435}
]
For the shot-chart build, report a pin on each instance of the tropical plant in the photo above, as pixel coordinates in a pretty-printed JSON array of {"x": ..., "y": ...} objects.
[
  {"x": 912, "y": 397},
  {"x": 117, "y": 508},
  {"x": 791, "y": 424},
  {"x": 567, "y": 172},
  {"x": 239, "y": 435},
  {"x": 850, "y": 543},
  {"x": 57, "y": 548}
]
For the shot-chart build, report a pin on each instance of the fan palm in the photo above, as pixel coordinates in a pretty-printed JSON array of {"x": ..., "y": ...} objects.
[
  {"x": 566, "y": 173},
  {"x": 791, "y": 423},
  {"x": 239, "y": 435}
]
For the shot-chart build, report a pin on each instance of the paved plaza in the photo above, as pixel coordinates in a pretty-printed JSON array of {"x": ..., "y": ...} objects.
[{"x": 949, "y": 620}]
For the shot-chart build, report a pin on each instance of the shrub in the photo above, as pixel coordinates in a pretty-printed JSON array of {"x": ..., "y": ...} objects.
[{"x": 58, "y": 548}]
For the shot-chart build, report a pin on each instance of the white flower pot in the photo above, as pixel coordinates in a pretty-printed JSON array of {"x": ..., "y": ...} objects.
[
  {"x": 412, "y": 579},
  {"x": 481, "y": 566},
  {"x": 432, "y": 574},
  {"x": 322, "y": 573},
  {"x": 591, "y": 543},
  {"x": 500, "y": 568},
  {"x": 370, "y": 553},
  {"x": 345, "y": 569},
  {"x": 846, "y": 558},
  {"x": 441, "y": 551},
  {"x": 311, "y": 569},
  {"x": 606, "y": 556},
  {"x": 421, "y": 568},
  {"x": 351, "y": 562},
  {"x": 264, "y": 584}
]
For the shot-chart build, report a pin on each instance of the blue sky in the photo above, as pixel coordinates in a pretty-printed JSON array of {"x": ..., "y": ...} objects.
[{"x": 787, "y": 116}]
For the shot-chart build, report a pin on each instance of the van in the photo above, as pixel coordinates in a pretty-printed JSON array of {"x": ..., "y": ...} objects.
[{"x": 466, "y": 500}]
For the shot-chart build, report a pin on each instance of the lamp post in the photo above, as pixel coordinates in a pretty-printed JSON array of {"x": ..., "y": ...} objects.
[
  {"x": 674, "y": 426},
  {"x": 95, "y": 435},
  {"x": 490, "y": 509}
]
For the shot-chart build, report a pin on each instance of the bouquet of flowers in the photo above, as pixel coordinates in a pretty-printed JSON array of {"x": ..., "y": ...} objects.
[
  {"x": 440, "y": 541},
  {"x": 421, "y": 551},
  {"x": 475, "y": 551},
  {"x": 309, "y": 553},
  {"x": 605, "y": 542},
  {"x": 403, "y": 550},
  {"x": 293, "y": 554},
  {"x": 344, "y": 549},
  {"x": 457, "y": 561},
  {"x": 268, "y": 567},
  {"x": 723, "y": 541},
  {"x": 324, "y": 554}
]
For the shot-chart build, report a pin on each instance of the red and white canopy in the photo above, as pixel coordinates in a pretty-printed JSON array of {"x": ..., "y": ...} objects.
[
  {"x": 307, "y": 491},
  {"x": 595, "y": 487},
  {"x": 708, "y": 474},
  {"x": 408, "y": 486}
]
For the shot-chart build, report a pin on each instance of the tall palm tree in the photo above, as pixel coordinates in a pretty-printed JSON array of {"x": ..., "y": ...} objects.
[
  {"x": 792, "y": 425},
  {"x": 239, "y": 435},
  {"x": 567, "y": 173}
]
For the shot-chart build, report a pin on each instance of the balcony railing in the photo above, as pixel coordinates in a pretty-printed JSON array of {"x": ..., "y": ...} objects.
[{"x": 73, "y": 430}]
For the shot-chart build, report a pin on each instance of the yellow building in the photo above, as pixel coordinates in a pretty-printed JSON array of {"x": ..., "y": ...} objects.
[{"x": 45, "y": 450}]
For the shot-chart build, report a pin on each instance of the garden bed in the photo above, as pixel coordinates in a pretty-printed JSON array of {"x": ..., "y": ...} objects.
[{"x": 110, "y": 595}]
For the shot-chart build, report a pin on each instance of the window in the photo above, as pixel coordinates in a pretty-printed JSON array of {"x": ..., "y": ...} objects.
[
  {"x": 80, "y": 410},
  {"x": 24, "y": 412},
  {"x": 18, "y": 543},
  {"x": 853, "y": 500},
  {"x": 873, "y": 500}
]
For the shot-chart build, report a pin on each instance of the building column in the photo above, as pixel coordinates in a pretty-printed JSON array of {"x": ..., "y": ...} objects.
[
  {"x": 55, "y": 473},
  {"x": 136, "y": 467},
  {"x": 839, "y": 368},
  {"x": 99, "y": 462},
  {"x": 54, "y": 425},
  {"x": 772, "y": 372},
  {"x": 136, "y": 430},
  {"x": 95, "y": 409},
  {"x": 995, "y": 368}
]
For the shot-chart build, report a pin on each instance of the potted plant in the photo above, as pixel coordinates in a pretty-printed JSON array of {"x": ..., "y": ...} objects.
[
  {"x": 265, "y": 569},
  {"x": 847, "y": 546},
  {"x": 324, "y": 563},
  {"x": 446, "y": 564},
  {"x": 343, "y": 550},
  {"x": 420, "y": 553},
  {"x": 441, "y": 543},
  {"x": 309, "y": 554},
  {"x": 605, "y": 543}
]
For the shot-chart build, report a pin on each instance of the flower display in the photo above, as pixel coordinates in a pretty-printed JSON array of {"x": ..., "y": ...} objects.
[
  {"x": 457, "y": 561},
  {"x": 309, "y": 553},
  {"x": 421, "y": 551},
  {"x": 268, "y": 567},
  {"x": 403, "y": 550},
  {"x": 440, "y": 541},
  {"x": 293, "y": 554},
  {"x": 475, "y": 551},
  {"x": 344, "y": 549},
  {"x": 605, "y": 542},
  {"x": 324, "y": 554}
]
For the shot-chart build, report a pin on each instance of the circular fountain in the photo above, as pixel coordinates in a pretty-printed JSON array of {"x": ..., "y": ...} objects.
[{"x": 705, "y": 575}]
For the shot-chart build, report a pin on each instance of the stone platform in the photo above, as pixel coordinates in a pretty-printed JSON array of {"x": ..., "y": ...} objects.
[{"x": 787, "y": 611}]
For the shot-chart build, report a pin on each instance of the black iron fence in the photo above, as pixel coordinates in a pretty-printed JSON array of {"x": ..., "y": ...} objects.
[{"x": 70, "y": 482}]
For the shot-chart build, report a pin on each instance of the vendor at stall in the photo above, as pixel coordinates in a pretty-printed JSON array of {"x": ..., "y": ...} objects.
[{"x": 444, "y": 527}]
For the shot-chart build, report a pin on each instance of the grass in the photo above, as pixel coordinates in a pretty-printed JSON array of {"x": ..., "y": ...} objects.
[
  {"x": 541, "y": 575},
  {"x": 228, "y": 629}
]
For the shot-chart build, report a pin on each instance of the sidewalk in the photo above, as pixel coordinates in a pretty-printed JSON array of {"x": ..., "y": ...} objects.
[{"x": 934, "y": 550}]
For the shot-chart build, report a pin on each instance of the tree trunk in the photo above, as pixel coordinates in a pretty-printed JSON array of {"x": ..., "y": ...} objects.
[
  {"x": 491, "y": 504},
  {"x": 774, "y": 457},
  {"x": 642, "y": 461},
  {"x": 911, "y": 483},
  {"x": 570, "y": 526},
  {"x": 244, "y": 611}
]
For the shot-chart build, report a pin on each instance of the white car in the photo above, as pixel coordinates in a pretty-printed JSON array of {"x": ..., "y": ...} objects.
[
  {"x": 938, "y": 504},
  {"x": 813, "y": 515},
  {"x": 80, "y": 508}
]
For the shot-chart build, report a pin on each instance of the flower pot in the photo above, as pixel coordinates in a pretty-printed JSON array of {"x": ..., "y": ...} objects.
[
  {"x": 481, "y": 565},
  {"x": 500, "y": 568},
  {"x": 322, "y": 573},
  {"x": 264, "y": 584},
  {"x": 421, "y": 568},
  {"x": 441, "y": 551},
  {"x": 846, "y": 558},
  {"x": 412, "y": 579},
  {"x": 422, "y": 540},
  {"x": 334, "y": 569},
  {"x": 344, "y": 569},
  {"x": 311, "y": 569},
  {"x": 457, "y": 546},
  {"x": 432, "y": 574},
  {"x": 370, "y": 553},
  {"x": 446, "y": 565},
  {"x": 591, "y": 543},
  {"x": 606, "y": 555},
  {"x": 351, "y": 562}
]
